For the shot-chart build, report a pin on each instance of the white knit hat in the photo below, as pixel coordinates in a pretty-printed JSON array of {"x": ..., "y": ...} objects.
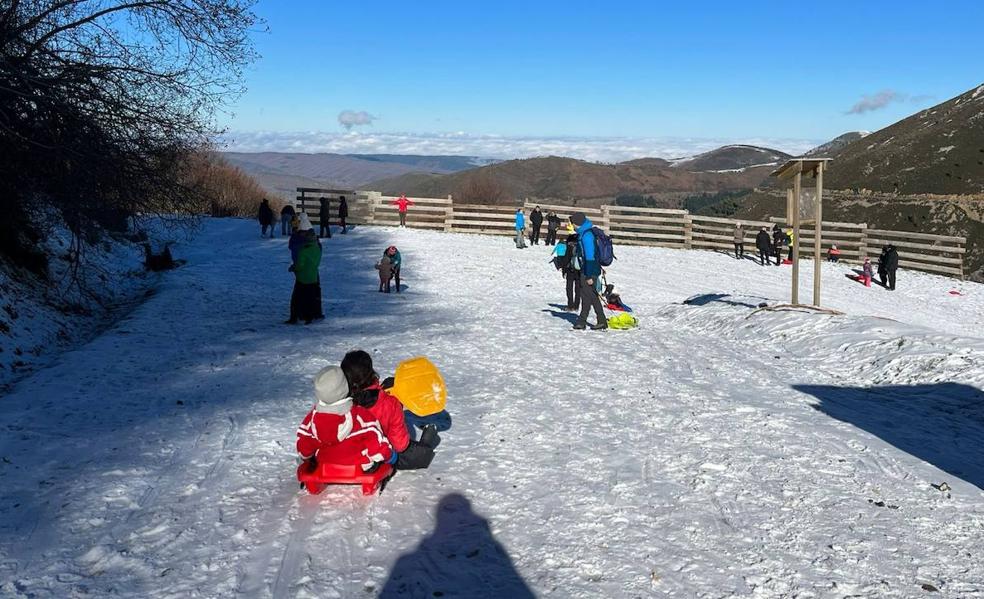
[
  {"x": 304, "y": 223},
  {"x": 332, "y": 390}
]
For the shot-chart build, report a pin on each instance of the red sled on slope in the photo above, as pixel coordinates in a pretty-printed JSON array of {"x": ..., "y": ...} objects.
[{"x": 323, "y": 474}]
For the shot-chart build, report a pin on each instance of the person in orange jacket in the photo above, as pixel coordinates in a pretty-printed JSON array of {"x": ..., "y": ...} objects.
[{"x": 402, "y": 203}]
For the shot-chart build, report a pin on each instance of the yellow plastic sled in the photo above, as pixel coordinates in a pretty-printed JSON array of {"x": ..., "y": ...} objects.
[{"x": 420, "y": 387}]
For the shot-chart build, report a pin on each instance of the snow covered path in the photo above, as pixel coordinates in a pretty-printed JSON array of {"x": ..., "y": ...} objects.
[{"x": 716, "y": 451}]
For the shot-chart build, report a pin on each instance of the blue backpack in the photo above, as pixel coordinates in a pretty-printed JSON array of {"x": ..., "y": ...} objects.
[{"x": 604, "y": 252}]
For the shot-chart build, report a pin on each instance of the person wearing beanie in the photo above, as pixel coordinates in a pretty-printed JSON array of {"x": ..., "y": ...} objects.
[
  {"x": 590, "y": 271},
  {"x": 764, "y": 246},
  {"x": 366, "y": 391},
  {"x": 305, "y": 253},
  {"x": 338, "y": 432}
]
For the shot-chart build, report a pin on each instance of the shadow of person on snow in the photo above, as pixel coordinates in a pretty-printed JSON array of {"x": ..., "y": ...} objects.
[
  {"x": 721, "y": 298},
  {"x": 570, "y": 317},
  {"x": 941, "y": 423},
  {"x": 460, "y": 558}
]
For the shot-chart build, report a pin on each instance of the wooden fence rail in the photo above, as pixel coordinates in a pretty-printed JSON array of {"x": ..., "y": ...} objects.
[{"x": 643, "y": 226}]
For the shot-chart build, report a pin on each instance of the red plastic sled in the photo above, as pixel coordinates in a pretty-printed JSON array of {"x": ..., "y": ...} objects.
[{"x": 325, "y": 474}]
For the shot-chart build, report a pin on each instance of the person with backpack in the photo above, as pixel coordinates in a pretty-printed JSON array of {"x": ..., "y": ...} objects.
[
  {"x": 536, "y": 219},
  {"x": 520, "y": 228},
  {"x": 553, "y": 223},
  {"x": 590, "y": 241},
  {"x": 342, "y": 213},
  {"x": 739, "y": 241},
  {"x": 764, "y": 246},
  {"x": 324, "y": 218},
  {"x": 286, "y": 218},
  {"x": 565, "y": 259}
]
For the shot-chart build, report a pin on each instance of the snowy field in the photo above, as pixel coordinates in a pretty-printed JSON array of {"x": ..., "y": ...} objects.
[{"x": 716, "y": 451}]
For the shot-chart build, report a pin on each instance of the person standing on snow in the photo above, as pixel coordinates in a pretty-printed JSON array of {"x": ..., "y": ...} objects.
[
  {"x": 342, "y": 212},
  {"x": 265, "y": 216},
  {"x": 305, "y": 249},
  {"x": 778, "y": 239},
  {"x": 764, "y": 246},
  {"x": 396, "y": 262},
  {"x": 286, "y": 218},
  {"x": 553, "y": 223},
  {"x": 520, "y": 227},
  {"x": 324, "y": 218},
  {"x": 590, "y": 273},
  {"x": 888, "y": 263},
  {"x": 739, "y": 241},
  {"x": 789, "y": 241},
  {"x": 572, "y": 274},
  {"x": 867, "y": 271},
  {"x": 536, "y": 219},
  {"x": 402, "y": 203}
]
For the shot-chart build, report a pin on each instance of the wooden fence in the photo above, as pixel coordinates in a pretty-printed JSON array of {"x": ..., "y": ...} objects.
[{"x": 645, "y": 226}]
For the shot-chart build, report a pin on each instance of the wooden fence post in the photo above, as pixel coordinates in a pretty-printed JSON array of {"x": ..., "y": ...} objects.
[
  {"x": 606, "y": 218},
  {"x": 863, "y": 247},
  {"x": 688, "y": 231},
  {"x": 449, "y": 214}
]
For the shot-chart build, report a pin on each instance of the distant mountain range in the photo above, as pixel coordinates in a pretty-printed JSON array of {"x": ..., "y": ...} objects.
[{"x": 282, "y": 173}]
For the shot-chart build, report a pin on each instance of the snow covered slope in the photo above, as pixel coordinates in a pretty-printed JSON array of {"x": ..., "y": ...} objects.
[{"x": 718, "y": 450}]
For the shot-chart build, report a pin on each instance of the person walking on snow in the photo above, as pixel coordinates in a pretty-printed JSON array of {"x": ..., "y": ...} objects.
[
  {"x": 590, "y": 273},
  {"x": 764, "y": 246},
  {"x": 739, "y": 241},
  {"x": 324, "y": 218},
  {"x": 286, "y": 219},
  {"x": 305, "y": 249},
  {"x": 553, "y": 223},
  {"x": 402, "y": 203},
  {"x": 868, "y": 272},
  {"x": 536, "y": 219},
  {"x": 520, "y": 228},
  {"x": 265, "y": 216},
  {"x": 342, "y": 213}
]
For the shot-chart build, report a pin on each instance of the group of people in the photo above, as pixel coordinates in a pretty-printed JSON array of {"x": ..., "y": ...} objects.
[
  {"x": 536, "y": 223},
  {"x": 576, "y": 258},
  {"x": 290, "y": 219},
  {"x": 771, "y": 246},
  {"x": 356, "y": 421}
]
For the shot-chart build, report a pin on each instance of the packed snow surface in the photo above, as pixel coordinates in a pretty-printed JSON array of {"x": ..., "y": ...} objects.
[{"x": 718, "y": 450}]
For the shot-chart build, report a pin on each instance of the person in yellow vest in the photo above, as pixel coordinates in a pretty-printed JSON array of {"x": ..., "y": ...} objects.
[{"x": 789, "y": 240}]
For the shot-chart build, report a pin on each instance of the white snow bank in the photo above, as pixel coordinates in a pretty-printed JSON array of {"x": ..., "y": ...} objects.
[{"x": 683, "y": 458}]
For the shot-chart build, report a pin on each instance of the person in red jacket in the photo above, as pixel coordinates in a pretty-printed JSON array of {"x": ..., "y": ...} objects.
[
  {"x": 366, "y": 392},
  {"x": 402, "y": 203},
  {"x": 336, "y": 431}
]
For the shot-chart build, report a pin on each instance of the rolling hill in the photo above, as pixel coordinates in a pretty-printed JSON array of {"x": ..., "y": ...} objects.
[
  {"x": 939, "y": 150},
  {"x": 729, "y": 158}
]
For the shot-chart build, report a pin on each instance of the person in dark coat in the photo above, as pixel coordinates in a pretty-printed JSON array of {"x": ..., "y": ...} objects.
[
  {"x": 286, "y": 217},
  {"x": 778, "y": 239},
  {"x": 764, "y": 246},
  {"x": 553, "y": 223},
  {"x": 265, "y": 216},
  {"x": 324, "y": 218},
  {"x": 572, "y": 274},
  {"x": 536, "y": 219},
  {"x": 342, "y": 212},
  {"x": 888, "y": 263}
]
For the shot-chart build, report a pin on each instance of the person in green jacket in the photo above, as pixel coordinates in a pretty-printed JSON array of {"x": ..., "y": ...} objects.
[{"x": 305, "y": 301}]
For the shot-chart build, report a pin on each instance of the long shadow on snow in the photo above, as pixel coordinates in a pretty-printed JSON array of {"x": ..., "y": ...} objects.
[
  {"x": 721, "y": 298},
  {"x": 570, "y": 317},
  {"x": 942, "y": 423},
  {"x": 461, "y": 558},
  {"x": 210, "y": 380}
]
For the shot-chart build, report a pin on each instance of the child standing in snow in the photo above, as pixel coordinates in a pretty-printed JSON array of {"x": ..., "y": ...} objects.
[
  {"x": 336, "y": 431},
  {"x": 367, "y": 393},
  {"x": 868, "y": 272}
]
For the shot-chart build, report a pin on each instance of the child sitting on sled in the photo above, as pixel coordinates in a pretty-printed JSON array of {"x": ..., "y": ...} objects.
[
  {"x": 368, "y": 393},
  {"x": 336, "y": 431}
]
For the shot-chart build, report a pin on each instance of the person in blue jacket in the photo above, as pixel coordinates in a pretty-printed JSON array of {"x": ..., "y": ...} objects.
[
  {"x": 590, "y": 273},
  {"x": 520, "y": 228}
]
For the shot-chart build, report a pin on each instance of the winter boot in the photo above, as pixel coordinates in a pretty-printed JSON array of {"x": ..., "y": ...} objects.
[
  {"x": 601, "y": 326},
  {"x": 429, "y": 436}
]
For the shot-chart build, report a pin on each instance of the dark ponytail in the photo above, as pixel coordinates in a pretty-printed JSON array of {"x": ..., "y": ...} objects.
[{"x": 357, "y": 366}]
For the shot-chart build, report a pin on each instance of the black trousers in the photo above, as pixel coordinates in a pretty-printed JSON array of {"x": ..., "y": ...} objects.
[
  {"x": 305, "y": 301},
  {"x": 341, "y": 221},
  {"x": 415, "y": 456},
  {"x": 888, "y": 279},
  {"x": 764, "y": 257},
  {"x": 739, "y": 250},
  {"x": 551, "y": 236},
  {"x": 535, "y": 234},
  {"x": 590, "y": 299},
  {"x": 778, "y": 254},
  {"x": 324, "y": 227},
  {"x": 573, "y": 278}
]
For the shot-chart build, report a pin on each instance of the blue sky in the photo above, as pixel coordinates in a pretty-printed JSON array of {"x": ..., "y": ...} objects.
[{"x": 681, "y": 73}]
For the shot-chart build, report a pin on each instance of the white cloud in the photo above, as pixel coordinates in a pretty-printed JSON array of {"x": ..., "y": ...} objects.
[
  {"x": 351, "y": 118},
  {"x": 597, "y": 149}
]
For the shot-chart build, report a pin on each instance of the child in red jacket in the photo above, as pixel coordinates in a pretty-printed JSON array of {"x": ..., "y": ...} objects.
[
  {"x": 366, "y": 392},
  {"x": 338, "y": 432}
]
